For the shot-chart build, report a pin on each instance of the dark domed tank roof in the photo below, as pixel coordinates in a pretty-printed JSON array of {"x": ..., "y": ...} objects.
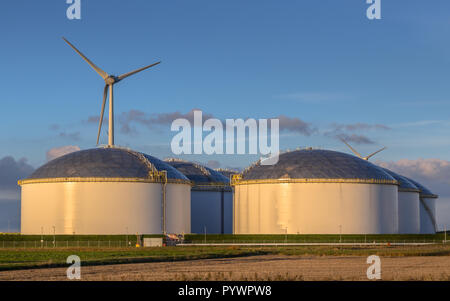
[
  {"x": 319, "y": 165},
  {"x": 198, "y": 174},
  {"x": 227, "y": 172},
  {"x": 104, "y": 163},
  {"x": 403, "y": 183},
  {"x": 424, "y": 192}
]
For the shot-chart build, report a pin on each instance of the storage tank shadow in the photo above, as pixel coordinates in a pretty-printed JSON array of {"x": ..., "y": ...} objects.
[
  {"x": 211, "y": 198},
  {"x": 105, "y": 191}
]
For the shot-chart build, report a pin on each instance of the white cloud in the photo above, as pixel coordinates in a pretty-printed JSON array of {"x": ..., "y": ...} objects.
[
  {"x": 61, "y": 151},
  {"x": 10, "y": 172},
  {"x": 428, "y": 169}
]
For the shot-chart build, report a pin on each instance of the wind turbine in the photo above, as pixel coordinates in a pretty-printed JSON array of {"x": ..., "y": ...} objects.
[
  {"x": 110, "y": 80},
  {"x": 358, "y": 154}
]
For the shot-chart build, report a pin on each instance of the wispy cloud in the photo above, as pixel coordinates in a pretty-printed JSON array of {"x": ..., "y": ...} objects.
[
  {"x": 359, "y": 126},
  {"x": 129, "y": 119},
  {"x": 54, "y": 127},
  {"x": 61, "y": 151},
  {"x": 294, "y": 124},
  {"x": 71, "y": 136},
  {"x": 354, "y": 138},
  {"x": 352, "y": 132}
]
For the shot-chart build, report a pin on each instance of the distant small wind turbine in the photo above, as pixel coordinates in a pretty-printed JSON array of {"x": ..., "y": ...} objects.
[
  {"x": 358, "y": 154},
  {"x": 110, "y": 80}
]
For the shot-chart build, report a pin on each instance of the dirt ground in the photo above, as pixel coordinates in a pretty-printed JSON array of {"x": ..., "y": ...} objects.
[{"x": 268, "y": 267}]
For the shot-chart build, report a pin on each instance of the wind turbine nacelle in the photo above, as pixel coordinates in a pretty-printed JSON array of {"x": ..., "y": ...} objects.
[{"x": 111, "y": 80}]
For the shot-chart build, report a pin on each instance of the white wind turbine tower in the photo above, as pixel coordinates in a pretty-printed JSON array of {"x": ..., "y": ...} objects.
[
  {"x": 110, "y": 80},
  {"x": 358, "y": 154}
]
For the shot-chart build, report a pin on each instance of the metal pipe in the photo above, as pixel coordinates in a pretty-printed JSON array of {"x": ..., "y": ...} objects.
[
  {"x": 222, "y": 213},
  {"x": 164, "y": 182}
]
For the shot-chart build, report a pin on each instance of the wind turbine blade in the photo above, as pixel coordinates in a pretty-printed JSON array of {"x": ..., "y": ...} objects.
[
  {"x": 368, "y": 157},
  {"x": 102, "y": 73},
  {"x": 136, "y": 71},
  {"x": 351, "y": 148},
  {"x": 105, "y": 92}
]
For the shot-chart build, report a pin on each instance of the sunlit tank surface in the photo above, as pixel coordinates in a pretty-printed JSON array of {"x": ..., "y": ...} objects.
[
  {"x": 408, "y": 205},
  {"x": 315, "y": 192},
  {"x": 105, "y": 191},
  {"x": 427, "y": 213},
  {"x": 211, "y": 198}
]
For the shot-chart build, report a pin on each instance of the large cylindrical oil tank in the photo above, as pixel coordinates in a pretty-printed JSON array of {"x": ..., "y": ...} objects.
[
  {"x": 315, "y": 192},
  {"x": 408, "y": 205},
  {"x": 211, "y": 198},
  {"x": 105, "y": 191},
  {"x": 428, "y": 224}
]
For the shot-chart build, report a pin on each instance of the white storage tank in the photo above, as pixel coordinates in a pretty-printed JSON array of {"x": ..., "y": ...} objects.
[
  {"x": 315, "y": 192},
  {"x": 105, "y": 191},
  {"x": 428, "y": 224},
  {"x": 408, "y": 205},
  {"x": 211, "y": 198}
]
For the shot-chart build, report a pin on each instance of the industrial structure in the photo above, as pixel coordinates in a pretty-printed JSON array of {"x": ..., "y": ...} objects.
[
  {"x": 114, "y": 190},
  {"x": 416, "y": 204},
  {"x": 228, "y": 173},
  {"x": 408, "y": 205},
  {"x": 105, "y": 191},
  {"x": 211, "y": 198},
  {"x": 315, "y": 192},
  {"x": 428, "y": 224},
  {"x": 110, "y": 81}
]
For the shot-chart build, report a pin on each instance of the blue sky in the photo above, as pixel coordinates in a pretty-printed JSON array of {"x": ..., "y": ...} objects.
[
  {"x": 321, "y": 61},
  {"x": 318, "y": 63}
]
